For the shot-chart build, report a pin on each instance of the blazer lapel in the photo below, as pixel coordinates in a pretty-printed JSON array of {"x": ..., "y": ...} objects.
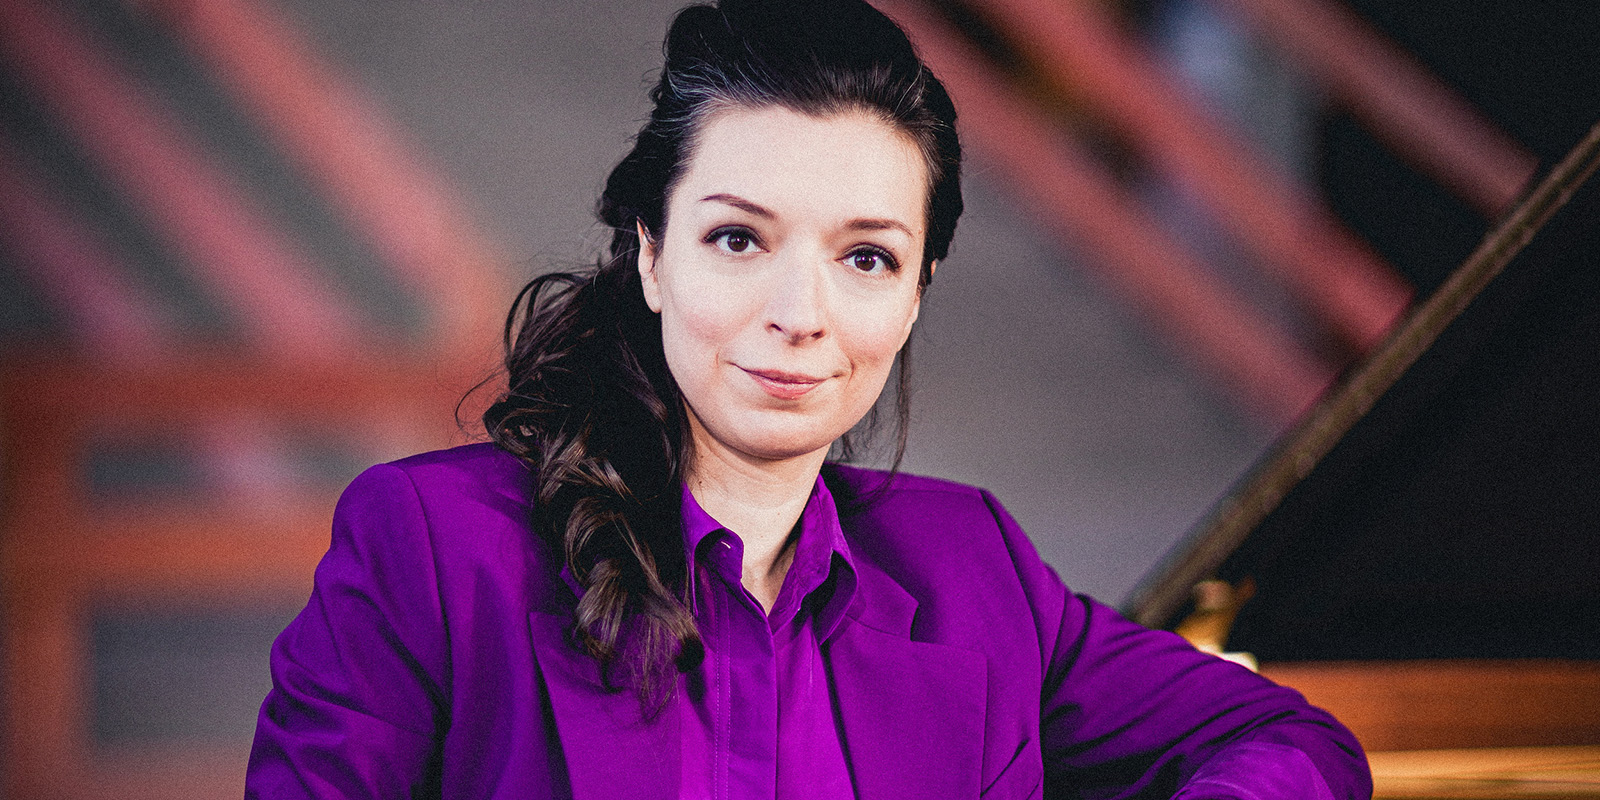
[
  {"x": 611, "y": 750},
  {"x": 912, "y": 712}
]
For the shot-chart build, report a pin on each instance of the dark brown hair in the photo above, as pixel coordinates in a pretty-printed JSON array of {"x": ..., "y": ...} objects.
[{"x": 591, "y": 406}]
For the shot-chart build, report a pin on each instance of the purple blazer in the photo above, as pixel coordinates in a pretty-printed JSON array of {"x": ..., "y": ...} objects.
[{"x": 432, "y": 660}]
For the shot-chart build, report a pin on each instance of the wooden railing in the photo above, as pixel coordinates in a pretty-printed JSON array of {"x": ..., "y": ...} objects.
[{"x": 247, "y": 538}]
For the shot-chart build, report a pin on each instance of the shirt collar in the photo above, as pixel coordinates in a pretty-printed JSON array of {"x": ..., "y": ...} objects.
[{"x": 820, "y": 547}]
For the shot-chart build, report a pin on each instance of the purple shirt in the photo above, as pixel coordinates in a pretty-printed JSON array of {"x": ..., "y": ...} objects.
[
  {"x": 434, "y": 659},
  {"x": 758, "y": 721}
]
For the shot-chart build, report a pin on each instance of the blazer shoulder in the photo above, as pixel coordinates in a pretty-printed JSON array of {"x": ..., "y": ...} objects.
[
  {"x": 481, "y": 465},
  {"x": 864, "y": 484},
  {"x": 915, "y": 504},
  {"x": 904, "y": 519},
  {"x": 472, "y": 482},
  {"x": 471, "y": 504}
]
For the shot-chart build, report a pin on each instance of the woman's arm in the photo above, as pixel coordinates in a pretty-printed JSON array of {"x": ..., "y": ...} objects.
[
  {"x": 356, "y": 697},
  {"x": 1131, "y": 712}
]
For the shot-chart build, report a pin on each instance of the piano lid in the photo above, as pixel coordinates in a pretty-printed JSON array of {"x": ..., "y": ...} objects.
[{"x": 1444, "y": 500}]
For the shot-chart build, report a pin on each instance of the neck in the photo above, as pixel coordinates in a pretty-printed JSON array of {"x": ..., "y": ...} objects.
[{"x": 760, "y": 500}]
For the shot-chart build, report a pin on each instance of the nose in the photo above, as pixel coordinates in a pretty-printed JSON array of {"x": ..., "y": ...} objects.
[{"x": 797, "y": 306}]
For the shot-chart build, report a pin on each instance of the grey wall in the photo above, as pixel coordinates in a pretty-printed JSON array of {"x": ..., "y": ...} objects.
[{"x": 1030, "y": 381}]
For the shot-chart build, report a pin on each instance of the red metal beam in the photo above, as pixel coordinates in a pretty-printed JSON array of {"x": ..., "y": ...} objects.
[
  {"x": 1398, "y": 99},
  {"x": 1337, "y": 276},
  {"x": 69, "y": 263},
  {"x": 343, "y": 143},
  {"x": 1262, "y": 367},
  {"x": 286, "y": 306}
]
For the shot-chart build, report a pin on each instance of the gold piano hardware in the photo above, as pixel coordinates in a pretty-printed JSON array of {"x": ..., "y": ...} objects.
[{"x": 1216, "y": 604}]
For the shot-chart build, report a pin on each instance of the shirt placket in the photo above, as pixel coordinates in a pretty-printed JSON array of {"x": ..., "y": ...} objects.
[{"x": 747, "y": 723}]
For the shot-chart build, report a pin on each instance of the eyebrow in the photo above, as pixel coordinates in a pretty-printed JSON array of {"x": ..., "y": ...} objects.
[
  {"x": 739, "y": 203},
  {"x": 868, "y": 224},
  {"x": 879, "y": 225}
]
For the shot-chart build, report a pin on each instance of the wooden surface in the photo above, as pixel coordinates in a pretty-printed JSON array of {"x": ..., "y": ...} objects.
[
  {"x": 1420, "y": 705},
  {"x": 1487, "y": 774}
]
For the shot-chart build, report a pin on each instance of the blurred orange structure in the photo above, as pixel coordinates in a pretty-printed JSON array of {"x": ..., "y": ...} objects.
[
  {"x": 64, "y": 552},
  {"x": 242, "y": 526}
]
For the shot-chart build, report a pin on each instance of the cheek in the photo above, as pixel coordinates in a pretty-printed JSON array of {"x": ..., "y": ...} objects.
[
  {"x": 697, "y": 320},
  {"x": 873, "y": 336}
]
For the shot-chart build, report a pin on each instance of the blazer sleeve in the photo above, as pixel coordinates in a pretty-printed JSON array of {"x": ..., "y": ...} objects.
[
  {"x": 356, "y": 696},
  {"x": 1128, "y": 712}
]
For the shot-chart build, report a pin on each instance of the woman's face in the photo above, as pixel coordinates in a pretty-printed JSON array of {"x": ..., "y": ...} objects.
[{"x": 786, "y": 279}]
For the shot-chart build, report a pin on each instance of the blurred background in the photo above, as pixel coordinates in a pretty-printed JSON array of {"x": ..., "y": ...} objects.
[{"x": 250, "y": 247}]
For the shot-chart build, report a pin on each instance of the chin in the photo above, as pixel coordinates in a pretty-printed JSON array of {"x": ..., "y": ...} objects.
[
  {"x": 785, "y": 448},
  {"x": 779, "y": 442}
]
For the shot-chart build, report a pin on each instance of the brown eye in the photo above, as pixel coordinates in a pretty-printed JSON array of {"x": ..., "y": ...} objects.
[
  {"x": 733, "y": 240},
  {"x": 871, "y": 259}
]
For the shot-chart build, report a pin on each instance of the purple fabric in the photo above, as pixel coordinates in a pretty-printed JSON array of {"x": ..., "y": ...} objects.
[
  {"x": 758, "y": 719},
  {"x": 432, "y": 660}
]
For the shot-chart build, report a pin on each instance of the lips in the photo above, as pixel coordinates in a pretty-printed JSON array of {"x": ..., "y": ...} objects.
[{"x": 783, "y": 385}]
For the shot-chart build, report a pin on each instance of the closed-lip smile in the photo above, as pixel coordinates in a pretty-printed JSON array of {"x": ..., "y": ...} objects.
[{"x": 783, "y": 385}]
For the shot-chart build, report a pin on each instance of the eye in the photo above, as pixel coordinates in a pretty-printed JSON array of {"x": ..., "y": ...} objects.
[
  {"x": 868, "y": 258},
  {"x": 733, "y": 239}
]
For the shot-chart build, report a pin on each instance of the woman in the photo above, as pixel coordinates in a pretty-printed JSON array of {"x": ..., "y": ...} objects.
[{"x": 651, "y": 584}]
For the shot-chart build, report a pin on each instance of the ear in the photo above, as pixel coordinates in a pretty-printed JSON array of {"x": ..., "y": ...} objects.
[
  {"x": 647, "y": 268},
  {"x": 916, "y": 308},
  {"x": 916, "y": 302}
]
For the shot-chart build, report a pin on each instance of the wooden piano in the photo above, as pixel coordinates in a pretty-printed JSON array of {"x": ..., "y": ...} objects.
[{"x": 1421, "y": 555}]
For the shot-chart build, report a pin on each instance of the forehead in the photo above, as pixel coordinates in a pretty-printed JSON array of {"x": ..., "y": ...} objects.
[{"x": 850, "y": 162}]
